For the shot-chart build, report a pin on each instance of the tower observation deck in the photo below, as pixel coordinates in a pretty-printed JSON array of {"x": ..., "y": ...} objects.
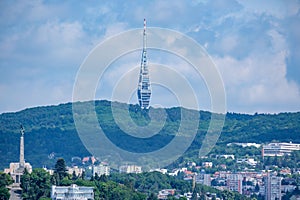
[{"x": 144, "y": 87}]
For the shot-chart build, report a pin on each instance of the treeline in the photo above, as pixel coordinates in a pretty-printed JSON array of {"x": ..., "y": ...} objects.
[
  {"x": 144, "y": 186},
  {"x": 152, "y": 182},
  {"x": 37, "y": 185},
  {"x": 49, "y": 131},
  {"x": 290, "y": 161}
]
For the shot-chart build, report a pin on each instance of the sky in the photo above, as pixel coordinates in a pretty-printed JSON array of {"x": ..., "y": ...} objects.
[{"x": 254, "y": 45}]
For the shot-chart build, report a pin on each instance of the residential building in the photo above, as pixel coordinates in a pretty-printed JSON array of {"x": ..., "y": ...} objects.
[
  {"x": 245, "y": 144},
  {"x": 234, "y": 182},
  {"x": 226, "y": 156},
  {"x": 191, "y": 164},
  {"x": 130, "y": 169},
  {"x": 203, "y": 179},
  {"x": 78, "y": 171},
  {"x": 207, "y": 164},
  {"x": 272, "y": 187},
  {"x": 163, "y": 194},
  {"x": 50, "y": 171},
  {"x": 279, "y": 149},
  {"x": 174, "y": 172},
  {"x": 72, "y": 192},
  {"x": 101, "y": 170},
  {"x": 188, "y": 195},
  {"x": 163, "y": 171},
  {"x": 211, "y": 196},
  {"x": 249, "y": 161}
]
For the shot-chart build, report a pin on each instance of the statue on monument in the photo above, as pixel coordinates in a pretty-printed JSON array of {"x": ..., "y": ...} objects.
[
  {"x": 16, "y": 169},
  {"x": 22, "y": 130}
]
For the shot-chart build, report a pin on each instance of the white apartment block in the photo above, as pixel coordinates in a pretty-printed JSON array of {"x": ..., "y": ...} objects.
[
  {"x": 78, "y": 171},
  {"x": 101, "y": 170},
  {"x": 72, "y": 192},
  {"x": 279, "y": 149},
  {"x": 130, "y": 169}
]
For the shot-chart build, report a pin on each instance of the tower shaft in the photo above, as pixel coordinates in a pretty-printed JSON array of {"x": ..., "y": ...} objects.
[
  {"x": 22, "y": 160},
  {"x": 144, "y": 87}
]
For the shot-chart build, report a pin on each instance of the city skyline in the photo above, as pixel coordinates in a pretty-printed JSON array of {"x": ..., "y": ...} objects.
[{"x": 253, "y": 44}]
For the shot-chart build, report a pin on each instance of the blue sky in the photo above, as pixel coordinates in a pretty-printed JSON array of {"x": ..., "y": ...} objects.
[{"x": 254, "y": 44}]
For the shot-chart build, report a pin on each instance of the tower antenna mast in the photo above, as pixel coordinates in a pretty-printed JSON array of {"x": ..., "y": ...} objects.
[
  {"x": 144, "y": 36},
  {"x": 144, "y": 86}
]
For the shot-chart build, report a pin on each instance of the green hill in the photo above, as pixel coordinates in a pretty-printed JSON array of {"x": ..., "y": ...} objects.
[{"x": 50, "y": 131}]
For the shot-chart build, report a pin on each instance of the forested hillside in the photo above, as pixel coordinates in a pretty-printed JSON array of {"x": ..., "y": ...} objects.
[{"x": 50, "y": 131}]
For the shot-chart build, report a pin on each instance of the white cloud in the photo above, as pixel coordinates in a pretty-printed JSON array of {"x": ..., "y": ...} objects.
[
  {"x": 24, "y": 94},
  {"x": 113, "y": 29},
  {"x": 279, "y": 9},
  {"x": 254, "y": 43},
  {"x": 59, "y": 33},
  {"x": 228, "y": 43},
  {"x": 258, "y": 83}
]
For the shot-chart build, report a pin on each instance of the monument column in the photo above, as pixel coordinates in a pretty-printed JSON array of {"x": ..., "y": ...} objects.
[{"x": 22, "y": 161}]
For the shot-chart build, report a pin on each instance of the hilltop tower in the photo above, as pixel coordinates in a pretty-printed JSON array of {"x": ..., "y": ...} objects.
[{"x": 144, "y": 87}]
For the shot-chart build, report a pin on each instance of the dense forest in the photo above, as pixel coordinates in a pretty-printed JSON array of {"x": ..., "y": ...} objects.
[{"x": 50, "y": 131}]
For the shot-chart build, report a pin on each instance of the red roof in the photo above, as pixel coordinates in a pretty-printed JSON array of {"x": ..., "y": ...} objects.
[{"x": 85, "y": 159}]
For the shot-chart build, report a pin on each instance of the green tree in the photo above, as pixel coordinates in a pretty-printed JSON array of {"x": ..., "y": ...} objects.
[
  {"x": 74, "y": 177},
  {"x": 83, "y": 175},
  {"x": 97, "y": 178},
  {"x": 5, "y": 180},
  {"x": 60, "y": 170},
  {"x": 35, "y": 185},
  {"x": 4, "y": 193},
  {"x": 152, "y": 196},
  {"x": 194, "y": 195},
  {"x": 66, "y": 181},
  {"x": 103, "y": 178},
  {"x": 227, "y": 195},
  {"x": 25, "y": 181},
  {"x": 256, "y": 187}
]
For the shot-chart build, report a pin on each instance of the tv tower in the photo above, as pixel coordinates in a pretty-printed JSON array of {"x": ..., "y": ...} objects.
[{"x": 144, "y": 87}]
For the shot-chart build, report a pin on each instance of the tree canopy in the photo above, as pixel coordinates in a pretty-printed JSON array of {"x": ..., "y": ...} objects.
[
  {"x": 5, "y": 180},
  {"x": 51, "y": 133}
]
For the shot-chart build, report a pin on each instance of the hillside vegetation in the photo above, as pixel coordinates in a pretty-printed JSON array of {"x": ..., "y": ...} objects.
[{"x": 50, "y": 131}]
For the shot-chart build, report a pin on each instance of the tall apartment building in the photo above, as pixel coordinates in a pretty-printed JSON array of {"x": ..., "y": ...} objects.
[
  {"x": 203, "y": 179},
  {"x": 272, "y": 187},
  {"x": 234, "y": 182}
]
